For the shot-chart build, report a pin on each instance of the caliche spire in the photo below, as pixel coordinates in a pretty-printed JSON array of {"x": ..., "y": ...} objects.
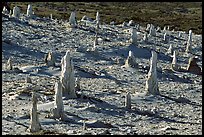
[
  {"x": 152, "y": 83},
  {"x": 67, "y": 77}
]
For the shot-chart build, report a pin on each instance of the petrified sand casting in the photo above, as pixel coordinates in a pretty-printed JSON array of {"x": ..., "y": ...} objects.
[
  {"x": 35, "y": 124},
  {"x": 67, "y": 77},
  {"x": 152, "y": 83}
]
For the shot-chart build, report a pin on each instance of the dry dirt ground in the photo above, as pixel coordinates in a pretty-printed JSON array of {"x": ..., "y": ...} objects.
[{"x": 104, "y": 83}]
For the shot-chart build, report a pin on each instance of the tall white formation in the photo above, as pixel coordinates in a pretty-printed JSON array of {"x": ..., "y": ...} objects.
[
  {"x": 130, "y": 23},
  {"x": 97, "y": 21},
  {"x": 5, "y": 11},
  {"x": 164, "y": 29},
  {"x": 179, "y": 36},
  {"x": 170, "y": 49},
  {"x": 152, "y": 83},
  {"x": 72, "y": 20},
  {"x": 131, "y": 61},
  {"x": 124, "y": 24},
  {"x": 168, "y": 28},
  {"x": 128, "y": 101},
  {"x": 166, "y": 39},
  {"x": 10, "y": 13},
  {"x": 16, "y": 12},
  {"x": 58, "y": 111},
  {"x": 50, "y": 59},
  {"x": 51, "y": 16},
  {"x": 134, "y": 36},
  {"x": 97, "y": 17},
  {"x": 9, "y": 65},
  {"x": 189, "y": 42},
  {"x": 95, "y": 41},
  {"x": 29, "y": 11},
  {"x": 174, "y": 65},
  {"x": 158, "y": 29},
  {"x": 35, "y": 124},
  {"x": 67, "y": 77},
  {"x": 152, "y": 31},
  {"x": 148, "y": 27},
  {"x": 145, "y": 38}
]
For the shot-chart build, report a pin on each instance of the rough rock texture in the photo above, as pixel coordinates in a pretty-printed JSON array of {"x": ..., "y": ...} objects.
[
  {"x": 193, "y": 66},
  {"x": 170, "y": 50},
  {"x": 50, "y": 59},
  {"x": 174, "y": 64},
  {"x": 189, "y": 42},
  {"x": 29, "y": 11},
  {"x": 58, "y": 103},
  {"x": 145, "y": 38},
  {"x": 128, "y": 101},
  {"x": 152, "y": 31},
  {"x": 72, "y": 20},
  {"x": 152, "y": 83},
  {"x": 34, "y": 121},
  {"x": 16, "y": 12},
  {"x": 131, "y": 61},
  {"x": 9, "y": 64},
  {"x": 166, "y": 38},
  {"x": 5, "y": 11},
  {"x": 28, "y": 79},
  {"x": 134, "y": 36},
  {"x": 104, "y": 84},
  {"x": 67, "y": 76}
]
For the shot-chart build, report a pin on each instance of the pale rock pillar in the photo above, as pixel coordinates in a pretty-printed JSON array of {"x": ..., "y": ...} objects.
[
  {"x": 67, "y": 77},
  {"x": 128, "y": 101},
  {"x": 9, "y": 64},
  {"x": 29, "y": 11},
  {"x": 35, "y": 124},
  {"x": 166, "y": 38},
  {"x": 170, "y": 49},
  {"x": 72, "y": 20},
  {"x": 16, "y": 12},
  {"x": 58, "y": 111},
  {"x": 174, "y": 65},
  {"x": 145, "y": 38},
  {"x": 148, "y": 27},
  {"x": 189, "y": 42},
  {"x": 152, "y": 30},
  {"x": 5, "y": 11},
  {"x": 134, "y": 36},
  {"x": 131, "y": 61},
  {"x": 152, "y": 83}
]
